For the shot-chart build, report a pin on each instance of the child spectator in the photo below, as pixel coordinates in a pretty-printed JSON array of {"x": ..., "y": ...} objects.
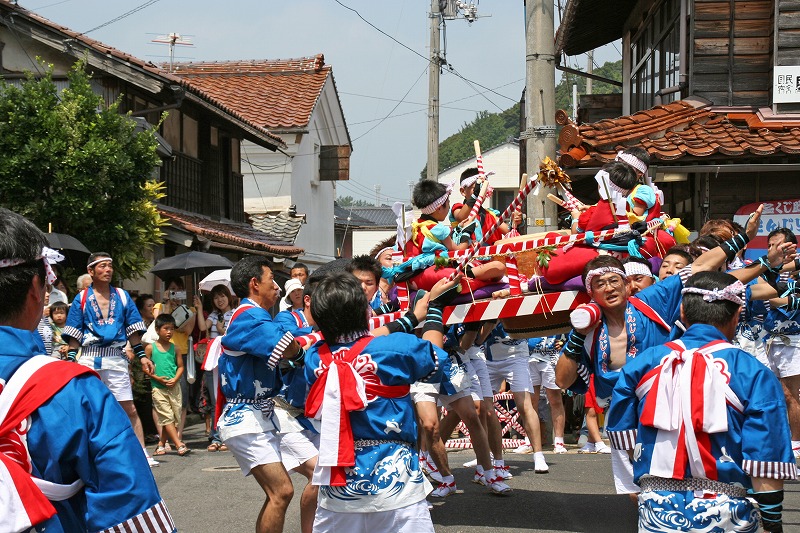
[
  {"x": 430, "y": 237},
  {"x": 165, "y": 380},
  {"x": 58, "y": 319}
]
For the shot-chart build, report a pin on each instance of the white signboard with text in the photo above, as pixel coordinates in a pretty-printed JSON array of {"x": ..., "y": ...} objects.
[{"x": 786, "y": 85}]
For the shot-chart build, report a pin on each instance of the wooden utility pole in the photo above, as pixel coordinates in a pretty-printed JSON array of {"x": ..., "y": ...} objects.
[
  {"x": 540, "y": 89},
  {"x": 433, "y": 94}
]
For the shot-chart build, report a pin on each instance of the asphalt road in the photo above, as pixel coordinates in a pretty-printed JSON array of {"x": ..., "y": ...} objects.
[{"x": 206, "y": 492}]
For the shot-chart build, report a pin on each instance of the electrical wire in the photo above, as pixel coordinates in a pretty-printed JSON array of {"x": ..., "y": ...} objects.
[
  {"x": 124, "y": 15},
  {"x": 396, "y": 105},
  {"x": 419, "y": 54}
]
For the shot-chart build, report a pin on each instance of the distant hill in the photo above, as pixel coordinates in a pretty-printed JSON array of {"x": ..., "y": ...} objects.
[{"x": 492, "y": 129}]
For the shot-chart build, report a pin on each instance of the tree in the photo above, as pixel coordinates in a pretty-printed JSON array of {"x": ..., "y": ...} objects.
[
  {"x": 349, "y": 201},
  {"x": 68, "y": 159},
  {"x": 610, "y": 70},
  {"x": 490, "y": 129}
]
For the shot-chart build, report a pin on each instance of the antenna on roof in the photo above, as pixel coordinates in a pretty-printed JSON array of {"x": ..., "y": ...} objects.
[{"x": 172, "y": 40}]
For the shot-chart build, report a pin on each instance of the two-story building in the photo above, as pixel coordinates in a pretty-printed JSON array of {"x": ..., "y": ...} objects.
[
  {"x": 700, "y": 93},
  {"x": 296, "y": 101},
  {"x": 204, "y": 183}
]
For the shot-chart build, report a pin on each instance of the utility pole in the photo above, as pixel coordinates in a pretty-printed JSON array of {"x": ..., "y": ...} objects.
[
  {"x": 540, "y": 83},
  {"x": 589, "y": 70},
  {"x": 440, "y": 10},
  {"x": 377, "y": 195},
  {"x": 433, "y": 94}
]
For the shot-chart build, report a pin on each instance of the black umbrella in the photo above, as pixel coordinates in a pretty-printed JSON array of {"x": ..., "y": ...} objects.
[
  {"x": 189, "y": 263},
  {"x": 74, "y": 252}
]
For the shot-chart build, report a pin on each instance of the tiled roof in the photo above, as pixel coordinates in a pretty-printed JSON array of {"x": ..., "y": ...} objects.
[
  {"x": 683, "y": 131},
  {"x": 283, "y": 225},
  {"x": 346, "y": 216},
  {"x": 274, "y": 94},
  {"x": 230, "y": 233},
  {"x": 128, "y": 59},
  {"x": 379, "y": 216}
]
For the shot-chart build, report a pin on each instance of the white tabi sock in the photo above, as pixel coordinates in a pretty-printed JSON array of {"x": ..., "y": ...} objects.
[{"x": 499, "y": 463}]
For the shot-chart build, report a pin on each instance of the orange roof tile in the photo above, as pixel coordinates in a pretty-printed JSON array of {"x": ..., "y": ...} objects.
[
  {"x": 153, "y": 69},
  {"x": 680, "y": 130},
  {"x": 274, "y": 94}
]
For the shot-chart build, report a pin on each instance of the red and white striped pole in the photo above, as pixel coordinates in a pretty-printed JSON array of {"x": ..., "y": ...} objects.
[{"x": 515, "y": 204}]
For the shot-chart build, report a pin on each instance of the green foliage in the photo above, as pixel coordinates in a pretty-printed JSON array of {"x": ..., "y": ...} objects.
[
  {"x": 68, "y": 159},
  {"x": 349, "y": 201},
  {"x": 490, "y": 129},
  {"x": 610, "y": 70}
]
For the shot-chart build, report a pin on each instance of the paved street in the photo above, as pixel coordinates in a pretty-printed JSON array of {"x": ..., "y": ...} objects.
[{"x": 206, "y": 492}]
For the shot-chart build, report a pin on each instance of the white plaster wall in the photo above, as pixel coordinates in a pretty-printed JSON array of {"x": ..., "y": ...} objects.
[
  {"x": 503, "y": 160},
  {"x": 274, "y": 180},
  {"x": 365, "y": 240}
]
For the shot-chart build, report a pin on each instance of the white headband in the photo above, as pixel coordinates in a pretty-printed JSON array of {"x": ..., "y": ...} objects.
[
  {"x": 48, "y": 257},
  {"x": 599, "y": 272},
  {"x": 470, "y": 180},
  {"x": 637, "y": 269},
  {"x": 439, "y": 202},
  {"x": 378, "y": 255},
  {"x": 99, "y": 260},
  {"x": 632, "y": 160},
  {"x": 730, "y": 293}
]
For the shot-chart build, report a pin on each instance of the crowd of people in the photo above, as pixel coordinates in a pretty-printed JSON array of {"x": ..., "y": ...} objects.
[{"x": 688, "y": 352}]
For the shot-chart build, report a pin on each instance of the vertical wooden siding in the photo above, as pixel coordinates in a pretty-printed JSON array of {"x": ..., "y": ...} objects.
[{"x": 732, "y": 51}]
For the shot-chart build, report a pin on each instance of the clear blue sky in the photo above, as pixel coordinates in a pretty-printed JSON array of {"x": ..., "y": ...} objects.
[{"x": 372, "y": 71}]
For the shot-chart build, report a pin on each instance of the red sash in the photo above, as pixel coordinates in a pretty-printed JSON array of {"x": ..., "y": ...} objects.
[
  {"x": 37, "y": 389},
  {"x": 349, "y": 398}
]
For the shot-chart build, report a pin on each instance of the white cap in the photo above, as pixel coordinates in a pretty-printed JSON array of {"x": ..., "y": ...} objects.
[
  {"x": 291, "y": 285},
  {"x": 57, "y": 296}
]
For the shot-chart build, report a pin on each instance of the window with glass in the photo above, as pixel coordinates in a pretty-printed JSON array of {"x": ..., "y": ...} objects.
[{"x": 655, "y": 56}]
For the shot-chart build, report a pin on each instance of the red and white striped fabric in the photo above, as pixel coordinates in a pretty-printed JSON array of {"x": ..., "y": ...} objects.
[
  {"x": 513, "y": 276},
  {"x": 570, "y": 202},
  {"x": 688, "y": 390},
  {"x": 532, "y": 244},
  {"x": 530, "y": 304},
  {"x": 374, "y": 323}
]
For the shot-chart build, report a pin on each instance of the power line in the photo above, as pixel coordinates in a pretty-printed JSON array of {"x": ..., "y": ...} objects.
[
  {"x": 454, "y": 71},
  {"x": 396, "y": 105},
  {"x": 427, "y": 59},
  {"x": 124, "y": 15}
]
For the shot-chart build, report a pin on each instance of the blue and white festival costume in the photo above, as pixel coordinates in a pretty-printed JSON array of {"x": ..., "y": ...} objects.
[
  {"x": 96, "y": 446},
  {"x": 646, "y": 326},
  {"x": 745, "y": 433},
  {"x": 386, "y": 475},
  {"x": 103, "y": 339},
  {"x": 247, "y": 381}
]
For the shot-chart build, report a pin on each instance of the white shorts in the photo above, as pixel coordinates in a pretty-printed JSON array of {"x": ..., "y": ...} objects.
[
  {"x": 297, "y": 448},
  {"x": 428, "y": 392},
  {"x": 118, "y": 382},
  {"x": 481, "y": 384},
  {"x": 514, "y": 370},
  {"x": 254, "y": 449},
  {"x": 543, "y": 373},
  {"x": 623, "y": 472},
  {"x": 785, "y": 358},
  {"x": 414, "y": 518},
  {"x": 758, "y": 349}
]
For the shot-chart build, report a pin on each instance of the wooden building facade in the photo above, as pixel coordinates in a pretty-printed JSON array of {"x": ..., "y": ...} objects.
[{"x": 698, "y": 94}]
